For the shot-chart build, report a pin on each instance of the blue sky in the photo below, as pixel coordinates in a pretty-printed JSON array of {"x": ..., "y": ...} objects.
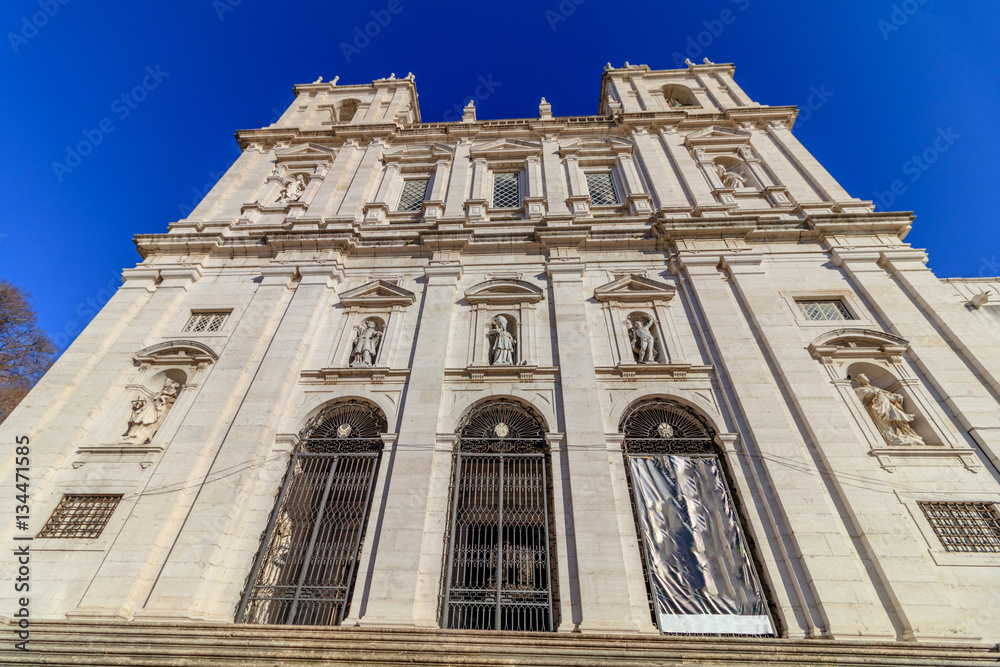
[{"x": 901, "y": 96}]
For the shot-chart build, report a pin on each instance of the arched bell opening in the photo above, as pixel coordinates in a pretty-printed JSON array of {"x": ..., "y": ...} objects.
[
  {"x": 305, "y": 570},
  {"x": 501, "y": 552},
  {"x": 700, "y": 575}
]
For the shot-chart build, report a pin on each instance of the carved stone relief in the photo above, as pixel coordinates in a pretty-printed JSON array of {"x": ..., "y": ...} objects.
[
  {"x": 366, "y": 344},
  {"x": 643, "y": 340},
  {"x": 886, "y": 410},
  {"x": 148, "y": 413}
]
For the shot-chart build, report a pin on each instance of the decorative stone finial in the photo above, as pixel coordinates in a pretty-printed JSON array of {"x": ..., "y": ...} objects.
[
  {"x": 319, "y": 80},
  {"x": 335, "y": 80},
  {"x": 409, "y": 76},
  {"x": 687, "y": 61},
  {"x": 544, "y": 109},
  {"x": 608, "y": 67},
  {"x": 708, "y": 62},
  {"x": 469, "y": 112}
]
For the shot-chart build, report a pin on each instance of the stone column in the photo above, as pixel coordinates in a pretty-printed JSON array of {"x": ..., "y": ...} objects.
[
  {"x": 880, "y": 529},
  {"x": 894, "y": 297},
  {"x": 837, "y": 598},
  {"x": 638, "y": 201},
  {"x": 594, "y": 546},
  {"x": 406, "y": 576},
  {"x": 377, "y": 211},
  {"x": 434, "y": 204}
]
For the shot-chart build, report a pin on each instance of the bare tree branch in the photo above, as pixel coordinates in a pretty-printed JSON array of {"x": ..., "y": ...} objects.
[{"x": 26, "y": 351}]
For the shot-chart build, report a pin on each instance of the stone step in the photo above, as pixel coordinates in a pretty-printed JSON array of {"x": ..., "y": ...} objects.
[{"x": 57, "y": 643}]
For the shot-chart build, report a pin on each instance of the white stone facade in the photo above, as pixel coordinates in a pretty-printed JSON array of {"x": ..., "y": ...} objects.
[{"x": 723, "y": 223}]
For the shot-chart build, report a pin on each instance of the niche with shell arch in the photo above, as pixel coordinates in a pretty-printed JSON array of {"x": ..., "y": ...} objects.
[
  {"x": 885, "y": 389},
  {"x": 366, "y": 346},
  {"x": 503, "y": 336}
]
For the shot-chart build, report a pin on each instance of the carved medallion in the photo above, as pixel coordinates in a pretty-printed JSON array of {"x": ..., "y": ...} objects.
[
  {"x": 665, "y": 430},
  {"x": 344, "y": 430},
  {"x": 501, "y": 430}
]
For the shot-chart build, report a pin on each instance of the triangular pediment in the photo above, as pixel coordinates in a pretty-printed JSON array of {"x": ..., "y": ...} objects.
[
  {"x": 717, "y": 136},
  {"x": 635, "y": 288},
  {"x": 584, "y": 146},
  {"x": 309, "y": 151},
  {"x": 505, "y": 147},
  {"x": 378, "y": 293},
  {"x": 504, "y": 290}
]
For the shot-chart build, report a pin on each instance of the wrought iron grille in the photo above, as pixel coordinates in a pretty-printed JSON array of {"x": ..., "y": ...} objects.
[
  {"x": 660, "y": 427},
  {"x": 414, "y": 193},
  {"x": 206, "y": 322},
  {"x": 602, "y": 189},
  {"x": 830, "y": 309},
  {"x": 499, "y": 572},
  {"x": 966, "y": 527},
  {"x": 506, "y": 190},
  {"x": 80, "y": 516},
  {"x": 304, "y": 573}
]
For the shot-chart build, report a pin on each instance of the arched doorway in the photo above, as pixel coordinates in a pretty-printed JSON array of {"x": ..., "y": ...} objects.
[
  {"x": 499, "y": 568},
  {"x": 699, "y": 572},
  {"x": 304, "y": 573}
]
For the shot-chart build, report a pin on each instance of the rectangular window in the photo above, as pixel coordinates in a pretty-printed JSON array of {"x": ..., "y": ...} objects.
[
  {"x": 602, "y": 189},
  {"x": 506, "y": 190},
  {"x": 414, "y": 193},
  {"x": 966, "y": 527},
  {"x": 206, "y": 322},
  {"x": 80, "y": 516},
  {"x": 824, "y": 309}
]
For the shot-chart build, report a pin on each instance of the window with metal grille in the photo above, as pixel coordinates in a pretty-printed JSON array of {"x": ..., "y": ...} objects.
[
  {"x": 700, "y": 576},
  {"x": 414, "y": 193},
  {"x": 206, "y": 322},
  {"x": 499, "y": 570},
  {"x": 506, "y": 190},
  {"x": 824, "y": 309},
  {"x": 602, "y": 189},
  {"x": 967, "y": 527},
  {"x": 305, "y": 570},
  {"x": 80, "y": 516}
]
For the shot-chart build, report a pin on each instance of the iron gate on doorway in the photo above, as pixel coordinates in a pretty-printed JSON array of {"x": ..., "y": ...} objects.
[
  {"x": 304, "y": 572},
  {"x": 499, "y": 570}
]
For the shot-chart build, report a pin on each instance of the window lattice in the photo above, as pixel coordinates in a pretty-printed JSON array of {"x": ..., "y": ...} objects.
[
  {"x": 205, "y": 322},
  {"x": 602, "y": 189},
  {"x": 506, "y": 190},
  {"x": 80, "y": 516},
  {"x": 830, "y": 309},
  {"x": 414, "y": 193},
  {"x": 967, "y": 527}
]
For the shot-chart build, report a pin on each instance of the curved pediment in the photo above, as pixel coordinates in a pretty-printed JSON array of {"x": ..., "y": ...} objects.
[
  {"x": 504, "y": 290},
  {"x": 635, "y": 288},
  {"x": 177, "y": 353},
  {"x": 377, "y": 293},
  {"x": 856, "y": 342}
]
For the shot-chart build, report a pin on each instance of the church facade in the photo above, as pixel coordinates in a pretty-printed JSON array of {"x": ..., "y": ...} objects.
[{"x": 646, "y": 383}]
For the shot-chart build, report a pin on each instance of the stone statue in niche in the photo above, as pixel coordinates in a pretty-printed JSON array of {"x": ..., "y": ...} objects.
[
  {"x": 292, "y": 190},
  {"x": 366, "y": 345},
  {"x": 886, "y": 410},
  {"x": 643, "y": 342},
  {"x": 148, "y": 413},
  {"x": 503, "y": 342},
  {"x": 730, "y": 177}
]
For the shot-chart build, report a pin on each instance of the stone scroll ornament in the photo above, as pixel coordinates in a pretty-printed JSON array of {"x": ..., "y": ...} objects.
[
  {"x": 366, "y": 345},
  {"x": 503, "y": 343},
  {"x": 148, "y": 413},
  {"x": 643, "y": 343},
  {"x": 886, "y": 410}
]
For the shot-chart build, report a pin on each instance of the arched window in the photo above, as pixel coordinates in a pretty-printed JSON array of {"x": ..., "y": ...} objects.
[
  {"x": 699, "y": 573},
  {"x": 304, "y": 573},
  {"x": 499, "y": 571},
  {"x": 344, "y": 111}
]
